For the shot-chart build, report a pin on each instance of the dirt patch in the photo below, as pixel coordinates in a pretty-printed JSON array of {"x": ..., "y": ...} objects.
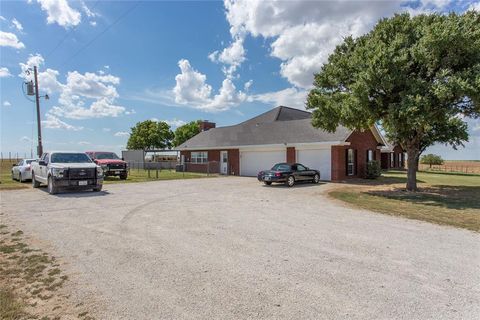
[{"x": 32, "y": 282}]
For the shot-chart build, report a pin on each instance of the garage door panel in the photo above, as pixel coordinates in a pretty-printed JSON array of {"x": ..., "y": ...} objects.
[
  {"x": 251, "y": 162},
  {"x": 319, "y": 159}
]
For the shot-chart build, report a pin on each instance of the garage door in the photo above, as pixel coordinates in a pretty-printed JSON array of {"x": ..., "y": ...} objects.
[
  {"x": 251, "y": 162},
  {"x": 319, "y": 159}
]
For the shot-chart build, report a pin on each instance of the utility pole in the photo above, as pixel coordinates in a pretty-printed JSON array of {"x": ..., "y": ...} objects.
[{"x": 39, "y": 124}]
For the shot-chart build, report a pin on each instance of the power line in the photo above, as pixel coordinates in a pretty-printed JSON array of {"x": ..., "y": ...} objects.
[
  {"x": 67, "y": 35},
  {"x": 102, "y": 33}
]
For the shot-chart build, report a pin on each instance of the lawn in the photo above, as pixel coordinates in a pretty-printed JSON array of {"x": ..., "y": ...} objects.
[
  {"x": 444, "y": 198},
  {"x": 6, "y": 182}
]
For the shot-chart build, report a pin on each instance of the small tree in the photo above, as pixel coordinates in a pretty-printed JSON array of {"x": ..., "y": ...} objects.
[
  {"x": 431, "y": 159},
  {"x": 150, "y": 135},
  {"x": 185, "y": 132},
  {"x": 373, "y": 170},
  {"x": 416, "y": 76}
]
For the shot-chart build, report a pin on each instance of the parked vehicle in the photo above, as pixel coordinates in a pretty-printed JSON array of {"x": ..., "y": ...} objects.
[
  {"x": 21, "y": 171},
  {"x": 288, "y": 174},
  {"x": 67, "y": 170},
  {"x": 111, "y": 164}
]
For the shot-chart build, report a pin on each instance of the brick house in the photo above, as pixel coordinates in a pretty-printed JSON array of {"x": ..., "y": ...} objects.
[
  {"x": 282, "y": 135},
  {"x": 392, "y": 156}
]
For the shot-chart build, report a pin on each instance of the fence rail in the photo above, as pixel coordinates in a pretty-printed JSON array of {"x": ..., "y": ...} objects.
[{"x": 452, "y": 167}]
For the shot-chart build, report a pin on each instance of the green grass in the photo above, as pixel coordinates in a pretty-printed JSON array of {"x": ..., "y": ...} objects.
[
  {"x": 142, "y": 176},
  {"x": 447, "y": 199},
  {"x": 11, "y": 307},
  {"x": 6, "y": 182}
]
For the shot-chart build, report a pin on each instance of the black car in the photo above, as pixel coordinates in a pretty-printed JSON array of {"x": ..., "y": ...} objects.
[{"x": 289, "y": 174}]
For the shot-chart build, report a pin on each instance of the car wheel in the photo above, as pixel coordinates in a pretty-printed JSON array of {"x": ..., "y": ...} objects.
[
  {"x": 290, "y": 181},
  {"x": 316, "y": 179},
  {"x": 97, "y": 189},
  {"x": 123, "y": 176},
  {"x": 51, "y": 186},
  {"x": 267, "y": 182}
]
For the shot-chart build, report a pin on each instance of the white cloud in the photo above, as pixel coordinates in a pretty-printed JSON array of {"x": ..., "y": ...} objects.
[
  {"x": 191, "y": 89},
  {"x": 290, "y": 97},
  {"x": 3, "y": 18},
  {"x": 84, "y": 143},
  {"x": 6, "y": 103},
  {"x": 304, "y": 33},
  {"x": 93, "y": 23},
  {"x": 17, "y": 24},
  {"x": 89, "y": 13},
  {"x": 233, "y": 56},
  {"x": 121, "y": 134},
  {"x": 247, "y": 85},
  {"x": 8, "y": 39},
  {"x": 60, "y": 12},
  {"x": 106, "y": 129},
  {"x": 53, "y": 122},
  {"x": 174, "y": 123},
  {"x": 25, "y": 139},
  {"x": 4, "y": 72},
  {"x": 474, "y": 6}
]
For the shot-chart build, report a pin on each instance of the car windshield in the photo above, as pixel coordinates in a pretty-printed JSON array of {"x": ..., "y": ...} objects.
[
  {"x": 281, "y": 167},
  {"x": 106, "y": 155},
  {"x": 29, "y": 161},
  {"x": 70, "y": 158}
]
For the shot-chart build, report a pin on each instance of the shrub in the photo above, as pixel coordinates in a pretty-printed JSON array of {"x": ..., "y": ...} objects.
[{"x": 373, "y": 170}]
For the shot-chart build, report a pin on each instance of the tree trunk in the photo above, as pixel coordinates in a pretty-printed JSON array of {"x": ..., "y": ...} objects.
[{"x": 413, "y": 156}]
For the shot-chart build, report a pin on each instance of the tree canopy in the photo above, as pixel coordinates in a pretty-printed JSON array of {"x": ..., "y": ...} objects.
[
  {"x": 185, "y": 132},
  {"x": 416, "y": 76},
  {"x": 150, "y": 134},
  {"x": 431, "y": 159}
]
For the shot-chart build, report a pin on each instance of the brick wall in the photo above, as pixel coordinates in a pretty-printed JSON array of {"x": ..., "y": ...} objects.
[
  {"x": 291, "y": 158},
  {"x": 360, "y": 142},
  {"x": 213, "y": 165}
]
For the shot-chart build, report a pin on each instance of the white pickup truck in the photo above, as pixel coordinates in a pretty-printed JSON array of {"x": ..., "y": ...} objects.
[{"x": 67, "y": 170}]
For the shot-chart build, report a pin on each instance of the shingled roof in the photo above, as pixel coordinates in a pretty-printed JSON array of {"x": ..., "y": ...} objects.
[{"x": 281, "y": 125}]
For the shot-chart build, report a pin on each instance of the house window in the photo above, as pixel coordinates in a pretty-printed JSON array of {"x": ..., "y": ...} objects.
[
  {"x": 350, "y": 162},
  {"x": 200, "y": 157},
  {"x": 370, "y": 155},
  {"x": 392, "y": 160}
]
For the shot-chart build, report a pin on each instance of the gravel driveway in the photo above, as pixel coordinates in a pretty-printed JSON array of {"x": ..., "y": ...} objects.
[{"x": 230, "y": 248}]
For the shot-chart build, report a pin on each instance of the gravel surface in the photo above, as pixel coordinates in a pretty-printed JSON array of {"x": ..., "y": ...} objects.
[{"x": 230, "y": 248}]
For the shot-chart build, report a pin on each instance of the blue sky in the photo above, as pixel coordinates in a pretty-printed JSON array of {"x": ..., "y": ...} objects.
[{"x": 107, "y": 65}]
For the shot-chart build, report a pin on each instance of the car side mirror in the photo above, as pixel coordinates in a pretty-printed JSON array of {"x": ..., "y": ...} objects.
[
  {"x": 123, "y": 159},
  {"x": 42, "y": 163}
]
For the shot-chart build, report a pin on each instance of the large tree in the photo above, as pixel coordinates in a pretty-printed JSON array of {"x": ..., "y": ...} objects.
[
  {"x": 149, "y": 135},
  {"x": 185, "y": 132},
  {"x": 416, "y": 76}
]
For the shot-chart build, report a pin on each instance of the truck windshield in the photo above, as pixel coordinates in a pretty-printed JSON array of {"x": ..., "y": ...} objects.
[
  {"x": 106, "y": 155},
  {"x": 70, "y": 158}
]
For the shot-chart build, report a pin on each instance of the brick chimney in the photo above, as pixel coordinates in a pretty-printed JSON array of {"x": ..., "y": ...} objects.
[{"x": 206, "y": 125}]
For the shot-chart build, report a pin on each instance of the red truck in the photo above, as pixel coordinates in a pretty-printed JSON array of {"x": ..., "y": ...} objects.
[{"x": 111, "y": 164}]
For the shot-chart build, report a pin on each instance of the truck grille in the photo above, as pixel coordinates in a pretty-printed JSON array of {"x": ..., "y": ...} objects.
[
  {"x": 116, "y": 166},
  {"x": 82, "y": 173}
]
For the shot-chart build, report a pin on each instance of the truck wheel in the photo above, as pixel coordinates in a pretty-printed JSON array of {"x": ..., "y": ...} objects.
[
  {"x": 51, "y": 186},
  {"x": 35, "y": 184},
  {"x": 123, "y": 176},
  {"x": 97, "y": 189}
]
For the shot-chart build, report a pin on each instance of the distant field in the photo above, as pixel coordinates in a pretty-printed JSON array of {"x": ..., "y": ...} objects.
[
  {"x": 6, "y": 182},
  {"x": 461, "y": 166}
]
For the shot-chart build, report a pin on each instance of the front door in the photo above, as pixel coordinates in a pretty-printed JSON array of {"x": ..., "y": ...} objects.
[{"x": 224, "y": 162}]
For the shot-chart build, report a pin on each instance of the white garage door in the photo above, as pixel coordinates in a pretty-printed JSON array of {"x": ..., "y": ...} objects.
[
  {"x": 319, "y": 159},
  {"x": 252, "y": 162}
]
